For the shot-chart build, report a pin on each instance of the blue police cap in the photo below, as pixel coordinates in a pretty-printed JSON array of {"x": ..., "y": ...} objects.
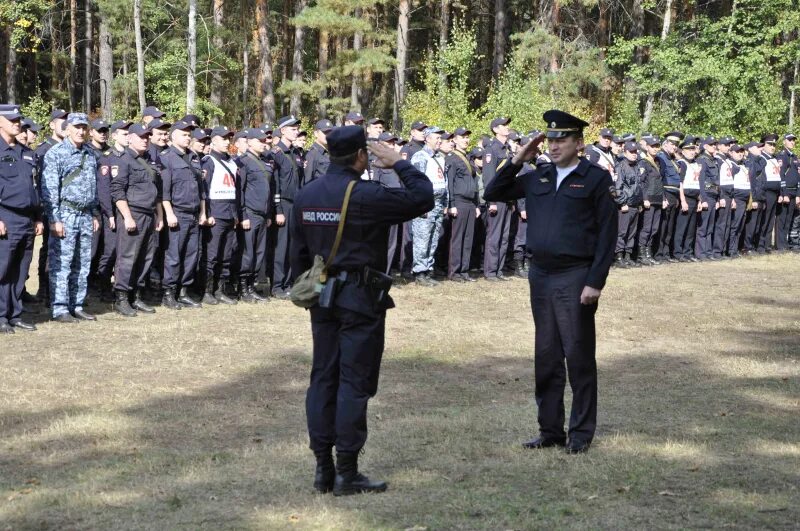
[
  {"x": 181, "y": 125},
  {"x": 221, "y": 130},
  {"x": 139, "y": 130},
  {"x": 607, "y": 132},
  {"x": 561, "y": 124},
  {"x": 27, "y": 123},
  {"x": 98, "y": 124},
  {"x": 158, "y": 123},
  {"x": 58, "y": 114},
  {"x": 153, "y": 111},
  {"x": 256, "y": 133},
  {"x": 346, "y": 140},
  {"x": 387, "y": 137},
  {"x": 769, "y": 138},
  {"x": 324, "y": 126},
  {"x": 287, "y": 121},
  {"x": 355, "y": 117},
  {"x": 120, "y": 124},
  {"x": 191, "y": 119},
  {"x": 78, "y": 118},
  {"x": 200, "y": 134},
  {"x": 10, "y": 112},
  {"x": 462, "y": 131}
]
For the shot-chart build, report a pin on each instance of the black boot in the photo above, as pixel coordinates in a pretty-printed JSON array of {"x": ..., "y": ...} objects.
[
  {"x": 648, "y": 255},
  {"x": 122, "y": 306},
  {"x": 251, "y": 287},
  {"x": 244, "y": 291},
  {"x": 519, "y": 269},
  {"x": 168, "y": 300},
  {"x": 325, "y": 473},
  {"x": 139, "y": 304},
  {"x": 185, "y": 300},
  {"x": 620, "y": 262},
  {"x": 106, "y": 290},
  {"x": 632, "y": 262},
  {"x": 220, "y": 294},
  {"x": 209, "y": 298},
  {"x": 349, "y": 480}
]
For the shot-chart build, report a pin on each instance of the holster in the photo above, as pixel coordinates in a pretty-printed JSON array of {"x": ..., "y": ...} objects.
[{"x": 378, "y": 284}]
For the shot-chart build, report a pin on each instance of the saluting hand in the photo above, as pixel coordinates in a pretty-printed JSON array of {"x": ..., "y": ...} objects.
[
  {"x": 529, "y": 151},
  {"x": 385, "y": 154},
  {"x": 589, "y": 295}
]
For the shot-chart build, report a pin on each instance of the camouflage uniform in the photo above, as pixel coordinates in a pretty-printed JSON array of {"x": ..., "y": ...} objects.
[
  {"x": 74, "y": 205},
  {"x": 426, "y": 230}
]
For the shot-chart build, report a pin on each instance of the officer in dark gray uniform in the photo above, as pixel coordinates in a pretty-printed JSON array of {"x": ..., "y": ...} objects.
[
  {"x": 317, "y": 159},
  {"x": 462, "y": 195},
  {"x": 572, "y": 229}
]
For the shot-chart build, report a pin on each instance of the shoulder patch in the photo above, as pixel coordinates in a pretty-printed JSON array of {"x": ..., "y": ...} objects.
[
  {"x": 488, "y": 157},
  {"x": 404, "y": 155},
  {"x": 114, "y": 171},
  {"x": 104, "y": 170}
]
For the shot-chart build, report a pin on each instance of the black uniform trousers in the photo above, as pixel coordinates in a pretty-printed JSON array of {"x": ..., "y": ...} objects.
[
  {"x": 783, "y": 224},
  {"x": 282, "y": 273},
  {"x": 160, "y": 242},
  {"x": 462, "y": 231},
  {"x": 221, "y": 247},
  {"x": 254, "y": 245},
  {"x": 669, "y": 218},
  {"x": 496, "y": 243},
  {"x": 520, "y": 239},
  {"x": 105, "y": 264},
  {"x": 441, "y": 261},
  {"x": 348, "y": 348},
  {"x": 44, "y": 269},
  {"x": 479, "y": 240},
  {"x": 649, "y": 221},
  {"x": 391, "y": 249},
  {"x": 768, "y": 223},
  {"x": 626, "y": 230},
  {"x": 16, "y": 254},
  {"x": 686, "y": 229},
  {"x": 182, "y": 253},
  {"x": 564, "y": 330},
  {"x": 722, "y": 227},
  {"x": 407, "y": 249},
  {"x": 705, "y": 232},
  {"x": 752, "y": 227},
  {"x": 738, "y": 217},
  {"x": 134, "y": 251},
  {"x": 97, "y": 250}
]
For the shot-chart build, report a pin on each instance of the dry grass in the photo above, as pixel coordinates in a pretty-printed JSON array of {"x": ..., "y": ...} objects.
[{"x": 195, "y": 420}]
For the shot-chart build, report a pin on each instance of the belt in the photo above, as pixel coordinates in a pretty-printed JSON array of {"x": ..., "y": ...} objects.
[
  {"x": 672, "y": 188},
  {"x": 75, "y": 206},
  {"x": 345, "y": 276}
]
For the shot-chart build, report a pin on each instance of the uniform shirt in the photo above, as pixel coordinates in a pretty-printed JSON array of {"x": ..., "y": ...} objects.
[
  {"x": 628, "y": 184},
  {"x": 111, "y": 158},
  {"x": 496, "y": 153},
  {"x": 790, "y": 171},
  {"x": 432, "y": 165},
  {"x": 288, "y": 174},
  {"x": 651, "y": 180},
  {"x": 40, "y": 151},
  {"x": 667, "y": 166},
  {"x": 709, "y": 178},
  {"x": 154, "y": 153},
  {"x": 137, "y": 181},
  {"x": 182, "y": 178},
  {"x": 461, "y": 184},
  {"x": 59, "y": 162},
  {"x": 409, "y": 150},
  {"x": 603, "y": 157},
  {"x": 19, "y": 202},
  {"x": 372, "y": 210},
  {"x": 387, "y": 177},
  {"x": 690, "y": 177},
  {"x": 317, "y": 162},
  {"x": 769, "y": 170},
  {"x": 222, "y": 186},
  {"x": 741, "y": 179},
  {"x": 573, "y": 226},
  {"x": 757, "y": 182},
  {"x": 256, "y": 177},
  {"x": 725, "y": 175}
]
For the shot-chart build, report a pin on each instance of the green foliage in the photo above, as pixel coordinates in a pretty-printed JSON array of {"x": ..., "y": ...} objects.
[
  {"x": 38, "y": 109},
  {"x": 24, "y": 19}
]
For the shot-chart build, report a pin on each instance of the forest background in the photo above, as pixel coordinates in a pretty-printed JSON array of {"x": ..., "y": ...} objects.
[{"x": 723, "y": 67}]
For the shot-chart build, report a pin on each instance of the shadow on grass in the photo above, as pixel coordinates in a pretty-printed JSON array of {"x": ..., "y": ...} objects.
[{"x": 445, "y": 434}]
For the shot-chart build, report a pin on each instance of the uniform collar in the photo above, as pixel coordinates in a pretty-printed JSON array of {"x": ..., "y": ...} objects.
[
  {"x": 319, "y": 146},
  {"x": 346, "y": 170},
  {"x": 220, "y": 156},
  {"x": 4, "y": 146},
  {"x": 75, "y": 149},
  {"x": 132, "y": 153}
]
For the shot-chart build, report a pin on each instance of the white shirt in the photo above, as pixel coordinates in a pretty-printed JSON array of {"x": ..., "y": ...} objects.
[{"x": 562, "y": 174}]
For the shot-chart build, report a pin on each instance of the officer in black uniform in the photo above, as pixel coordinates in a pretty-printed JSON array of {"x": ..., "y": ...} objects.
[
  {"x": 629, "y": 196},
  {"x": 184, "y": 212},
  {"x": 572, "y": 229},
  {"x": 768, "y": 171},
  {"x": 498, "y": 221},
  {"x": 653, "y": 190},
  {"x": 671, "y": 180},
  {"x": 462, "y": 196},
  {"x": 256, "y": 176},
  {"x": 98, "y": 145},
  {"x": 20, "y": 219},
  {"x": 790, "y": 179},
  {"x": 709, "y": 195},
  {"x": 317, "y": 159},
  {"x": 136, "y": 192},
  {"x": 348, "y": 332}
]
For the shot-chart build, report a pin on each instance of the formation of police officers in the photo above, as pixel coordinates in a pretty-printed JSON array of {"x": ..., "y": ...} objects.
[{"x": 177, "y": 213}]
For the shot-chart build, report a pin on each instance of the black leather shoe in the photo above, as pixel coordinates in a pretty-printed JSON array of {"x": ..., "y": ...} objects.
[
  {"x": 325, "y": 474},
  {"x": 6, "y": 328},
  {"x": 577, "y": 446},
  {"x": 65, "y": 318},
  {"x": 540, "y": 442},
  {"x": 468, "y": 278},
  {"x": 186, "y": 301},
  {"x": 493, "y": 279},
  {"x": 84, "y": 316},
  {"x": 139, "y": 304},
  {"x": 22, "y": 325}
]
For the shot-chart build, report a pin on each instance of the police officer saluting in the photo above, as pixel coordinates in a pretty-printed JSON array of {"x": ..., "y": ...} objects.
[
  {"x": 348, "y": 327},
  {"x": 572, "y": 229},
  {"x": 136, "y": 192},
  {"x": 184, "y": 212},
  {"x": 19, "y": 219}
]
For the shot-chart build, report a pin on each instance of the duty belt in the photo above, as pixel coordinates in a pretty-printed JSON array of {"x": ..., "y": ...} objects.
[
  {"x": 75, "y": 206},
  {"x": 671, "y": 188}
]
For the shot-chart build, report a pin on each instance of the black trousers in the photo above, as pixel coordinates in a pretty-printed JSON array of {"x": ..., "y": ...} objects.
[
  {"x": 16, "y": 254},
  {"x": 686, "y": 229},
  {"x": 479, "y": 240},
  {"x": 44, "y": 270},
  {"x": 669, "y": 218},
  {"x": 254, "y": 246},
  {"x": 182, "y": 253},
  {"x": 105, "y": 265},
  {"x": 649, "y": 221},
  {"x": 768, "y": 222},
  {"x": 496, "y": 243},
  {"x": 462, "y": 231},
  {"x": 738, "y": 217},
  {"x": 626, "y": 230},
  {"x": 565, "y": 330},
  {"x": 705, "y": 231},
  {"x": 134, "y": 252},
  {"x": 520, "y": 238},
  {"x": 722, "y": 228},
  {"x": 348, "y": 348},
  {"x": 783, "y": 224},
  {"x": 221, "y": 247},
  {"x": 391, "y": 249},
  {"x": 282, "y": 273},
  {"x": 752, "y": 227},
  {"x": 407, "y": 248}
]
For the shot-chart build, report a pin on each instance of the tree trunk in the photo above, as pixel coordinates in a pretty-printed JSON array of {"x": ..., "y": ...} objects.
[
  {"x": 402, "y": 61},
  {"x": 265, "y": 80},
  {"x": 637, "y": 29},
  {"x": 444, "y": 23},
  {"x": 137, "y": 28},
  {"x": 648, "y": 106},
  {"x": 88, "y": 61},
  {"x": 792, "y": 94},
  {"x": 11, "y": 70},
  {"x": 106, "y": 70},
  {"x": 555, "y": 19},
  {"x": 499, "y": 37},
  {"x": 216, "y": 74},
  {"x": 245, "y": 84},
  {"x": 603, "y": 24},
  {"x": 322, "y": 60},
  {"x": 355, "y": 87},
  {"x": 73, "y": 54},
  {"x": 297, "y": 58},
  {"x": 192, "y": 69}
]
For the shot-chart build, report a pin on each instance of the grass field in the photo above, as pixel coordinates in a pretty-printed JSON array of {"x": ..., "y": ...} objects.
[{"x": 195, "y": 419}]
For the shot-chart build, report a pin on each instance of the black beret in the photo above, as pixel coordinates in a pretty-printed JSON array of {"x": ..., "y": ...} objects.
[{"x": 346, "y": 140}]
